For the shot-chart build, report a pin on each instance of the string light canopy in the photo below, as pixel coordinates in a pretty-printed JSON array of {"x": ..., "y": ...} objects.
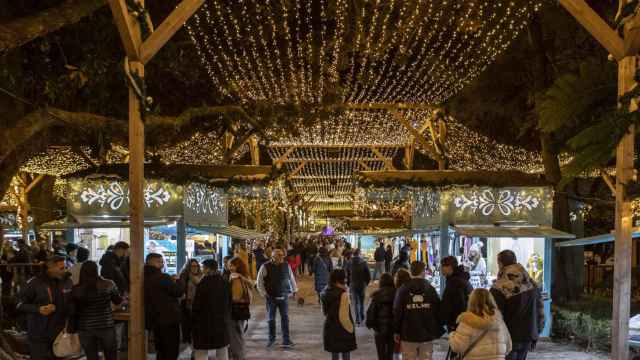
[{"x": 374, "y": 51}]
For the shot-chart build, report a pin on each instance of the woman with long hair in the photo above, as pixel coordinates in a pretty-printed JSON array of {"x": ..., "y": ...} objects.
[
  {"x": 240, "y": 285},
  {"x": 190, "y": 276},
  {"x": 93, "y": 297},
  {"x": 481, "y": 331},
  {"x": 339, "y": 335}
]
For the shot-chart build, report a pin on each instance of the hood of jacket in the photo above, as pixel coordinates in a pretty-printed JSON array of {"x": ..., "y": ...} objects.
[
  {"x": 483, "y": 322},
  {"x": 384, "y": 294},
  {"x": 513, "y": 280},
  {"x": 417, "y": 285},
  {"x": 150, "y": 270}
]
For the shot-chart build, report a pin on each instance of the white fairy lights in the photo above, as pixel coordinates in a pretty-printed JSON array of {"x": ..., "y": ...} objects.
[{"x": 420, "y": 51}]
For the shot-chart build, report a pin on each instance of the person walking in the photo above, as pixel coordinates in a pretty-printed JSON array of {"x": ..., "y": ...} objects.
[
  {"x": 481, "y": 332},
  {"x": 162, "y": 308},
  {"x": 259, "y": 255},
  {"x": 111, "y": 265},
  {"x": 211, "y": 308},
  {"x": 322, "y": 267},
  {"x": 46, "y": 300},
  {"x": 388, "y": 258},
  {"x": 82, "y": 255},
  {"x": 379, "y": 258},
  {"x": 415, "y": 315},
  {"x": 276, "y": 283},
  {"x": 190, "y": 277},
  {"x": 520, "y": 302},
  {"x": 312, "y": 252},
  {"x": 360, "y": 278},
  {"x": 456, "y": 292},
  {"x": 240, "y": 286},
  {"x": 401, "y": 263},
  {"x": 338, "y": 332},
  {"x": 92, "y": 297},
  {"x": 380, "y": 316}
]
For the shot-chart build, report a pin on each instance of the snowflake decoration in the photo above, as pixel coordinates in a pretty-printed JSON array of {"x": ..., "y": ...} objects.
[
  {"x": 427, "y": 203},
  {"x": 114, "y": 196},
  {"x": 504, "y": 201},
  {"x": 203, "y": 200}
]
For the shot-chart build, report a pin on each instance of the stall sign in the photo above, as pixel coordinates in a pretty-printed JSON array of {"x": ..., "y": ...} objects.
[
  {"x": 205, "y": 205},
  {"x": 10, "y": 220},
  {"x": 111, "y": 198},
  {"x": 484, "y": 205}
]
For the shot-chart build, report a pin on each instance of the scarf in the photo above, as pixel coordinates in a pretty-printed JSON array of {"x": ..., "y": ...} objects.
[{"x": 513, "y": 280}]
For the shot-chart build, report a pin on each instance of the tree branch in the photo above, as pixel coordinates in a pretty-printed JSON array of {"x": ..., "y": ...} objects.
[{"x": 23, "y": 30}]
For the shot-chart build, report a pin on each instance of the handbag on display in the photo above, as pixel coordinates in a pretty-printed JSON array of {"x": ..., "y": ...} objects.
[{"x": 66, "y": 344}]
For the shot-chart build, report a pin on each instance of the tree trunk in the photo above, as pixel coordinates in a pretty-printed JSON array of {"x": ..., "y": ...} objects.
[
  {"x": 18, "y": 32},
  {"x": 568, "y": 262}
]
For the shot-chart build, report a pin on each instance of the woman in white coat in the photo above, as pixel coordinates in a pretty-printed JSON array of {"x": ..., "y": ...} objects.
[{"x": 481, "y": 333}]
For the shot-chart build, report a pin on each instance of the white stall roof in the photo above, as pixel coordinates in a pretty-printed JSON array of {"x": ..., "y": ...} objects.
[
  {"x": 512, "y": 231},
  {"x": 598, "y": 239},
  {"x": 235, "y": 232}
]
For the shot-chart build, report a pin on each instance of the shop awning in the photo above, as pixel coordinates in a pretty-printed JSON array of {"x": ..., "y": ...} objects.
[
  {"x": 592, "y": 240},
  {"x": 512, "y": 231},
  {"x": 98, "y": 224},
  {"x": 235, "y": 232},
  {"x": 381, "y": 232}
]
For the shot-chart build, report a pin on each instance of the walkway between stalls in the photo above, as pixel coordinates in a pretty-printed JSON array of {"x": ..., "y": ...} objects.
[{"x": 306, "y": 331}]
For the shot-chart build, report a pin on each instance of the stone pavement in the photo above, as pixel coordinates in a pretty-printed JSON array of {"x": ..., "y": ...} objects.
[{"x": 306, "y": 330}]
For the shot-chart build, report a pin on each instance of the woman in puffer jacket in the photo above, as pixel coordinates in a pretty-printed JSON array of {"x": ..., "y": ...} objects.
[
  {"x": 481, "y": 333},
  {"x": 380, "y": 317}
]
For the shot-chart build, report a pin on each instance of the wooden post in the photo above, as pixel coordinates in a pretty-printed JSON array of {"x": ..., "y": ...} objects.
[
  {"x": 137, "y": 342},
  {"x": 623, "y": 222}
]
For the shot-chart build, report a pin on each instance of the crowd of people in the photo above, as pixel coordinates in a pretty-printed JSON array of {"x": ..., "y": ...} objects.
[{"x": 208, "y": 306}]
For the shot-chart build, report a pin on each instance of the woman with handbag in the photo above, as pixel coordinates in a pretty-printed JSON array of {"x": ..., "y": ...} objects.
[
  {"x": 92, "y": 298},
  {"x": 481, "y": 333},
  {"x": 240, "y": 306}
]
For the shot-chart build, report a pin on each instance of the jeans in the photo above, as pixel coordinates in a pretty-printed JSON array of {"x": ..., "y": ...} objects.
[
  {"x": 281, "y": 305},
  {"x": 236, "y": 338},
  {"x": 384, "y": 345},
  {"x": 167, "y": 341},
  {"x": 40, "y": 349},
  {"x": 336, "y": 356},
  {"x": 417, "y": 351},
  {"x": 221, "y": 354},
  {"x": 358, "y": 304},
  {"x": 519, "y": 351},
  {"x": 94, "y": 340},
  {"x": 378, "y": 270}
]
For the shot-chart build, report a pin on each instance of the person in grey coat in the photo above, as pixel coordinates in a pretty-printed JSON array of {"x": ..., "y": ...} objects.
[{"x": 322, "y": 267}]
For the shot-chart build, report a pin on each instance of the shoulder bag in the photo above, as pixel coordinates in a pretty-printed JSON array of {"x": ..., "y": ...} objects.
[
  {"x": 65, "y": 344},
  {"x": 473, "y": 344}
]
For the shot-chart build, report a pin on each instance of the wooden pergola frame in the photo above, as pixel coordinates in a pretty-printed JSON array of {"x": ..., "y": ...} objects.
[{"x": 625, "y": 51}]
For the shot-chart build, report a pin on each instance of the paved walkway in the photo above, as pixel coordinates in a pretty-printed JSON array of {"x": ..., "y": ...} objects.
[{"x": 306, "y": 329}]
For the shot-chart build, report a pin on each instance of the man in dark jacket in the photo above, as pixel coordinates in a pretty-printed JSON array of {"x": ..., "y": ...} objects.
[
  {"x": 456, "y": 292},
  {"x": 211, "y": 310},
  {"x": 379, "y": 258},
  {"x": 47, "y": 301},
  {"x": 415, "y": 315},
  {"x": 360, "y": 278},
  {"x": 259, "y": 255},
  {"x": 162, "y": 309},
  {"x": 111, "y": 265},
  {"x": 520, "y": 302}
]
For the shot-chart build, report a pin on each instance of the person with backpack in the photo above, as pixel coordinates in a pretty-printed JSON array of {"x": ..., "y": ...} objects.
[
  {"x": 240, "y": 286},
  {"x": 360, "y": 278},
  {"x": 92, "y": 298},
  {"x": 339, "y": 335},
  {"x": 379, "y": 257},
  {"x": 380, "y": 316},
  {"x": 416, "y": 319},
  {"x": 481, "y": 332},
  {"x": 276, "y": 283},
  {"x": 322, "y": 267},
  {"x": 211, "y": 308},
  {"x": 401, "y": 263}
]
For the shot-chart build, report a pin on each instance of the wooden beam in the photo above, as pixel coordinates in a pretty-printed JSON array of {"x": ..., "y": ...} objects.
[
  {"x": 128, "y": 28},
  {"x": 33, "y": 183},
  {"x": 447, "y": 177},
  {"x": 168, "y": 28},
  {"x": 364, "y": 165},
  {"x": 388, "y": 163},
  {"x": 428, "y": 147},
  {"x": 230, "y": 152},
  {"x": 254, "y": 149},
  {"x": 596, "y": 26},
  {"x": 632, "y": 36},
  {"x": 609, "y": 181},
  {"x": 408, "y": 155},
  {"x": 336, "y": 146},
  {"x": 385, "y": 106},
  {"x": 295, "y": 160},
  {"x": 297, "y": 169},
  {"x": 623, "y": 222},
  {"x": 281, "y": 159}
]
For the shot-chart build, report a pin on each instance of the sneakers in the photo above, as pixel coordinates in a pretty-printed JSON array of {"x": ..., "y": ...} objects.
[{"x": 288, "y": 345}]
